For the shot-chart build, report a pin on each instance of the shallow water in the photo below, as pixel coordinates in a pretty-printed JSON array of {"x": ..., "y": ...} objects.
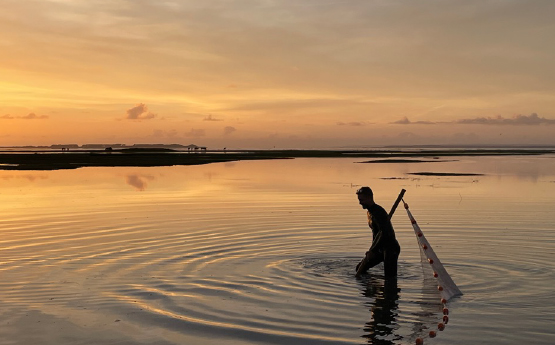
[{"x": 263, "y": 252}]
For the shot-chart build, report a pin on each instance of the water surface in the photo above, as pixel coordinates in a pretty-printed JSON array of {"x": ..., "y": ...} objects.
[{"x": 263, "y": 252}]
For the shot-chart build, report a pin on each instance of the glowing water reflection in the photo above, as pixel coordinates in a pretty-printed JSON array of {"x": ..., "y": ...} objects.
[{"x": 264, "y": 252}]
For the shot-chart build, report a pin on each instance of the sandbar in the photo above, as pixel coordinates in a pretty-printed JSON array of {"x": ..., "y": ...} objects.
[{"x": 56, "y": 160}]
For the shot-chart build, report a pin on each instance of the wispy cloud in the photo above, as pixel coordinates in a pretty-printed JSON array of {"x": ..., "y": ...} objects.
[
  {"x": 532, "y": 119},
  {"x": 195, "y": 133},
  {"x": 139, "y": 112},
  {"x": 286, "y": 105},
  {"x": 30, "y": 116},
  {"x": 210, "y": 118},
  {"x": 33, "y": 116},
  {"x": 406, "y": 121},
  {"x": 354, "y": 124},
  {"x": 228, "y": 130}
]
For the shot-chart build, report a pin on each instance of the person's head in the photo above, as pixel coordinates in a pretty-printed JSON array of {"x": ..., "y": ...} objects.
[{"x": 365, "y": 197}]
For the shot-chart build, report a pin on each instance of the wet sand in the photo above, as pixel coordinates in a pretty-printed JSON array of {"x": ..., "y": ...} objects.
[{"x": 56, "y": 160}]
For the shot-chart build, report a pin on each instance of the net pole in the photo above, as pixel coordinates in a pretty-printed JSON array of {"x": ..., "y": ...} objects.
[{"x": 399, "y": 198}]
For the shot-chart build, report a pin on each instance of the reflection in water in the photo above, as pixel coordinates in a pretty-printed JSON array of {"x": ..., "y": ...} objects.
[
  {"x": 28, "y": 177},
  {"x": 139, "y": 181},
  {"x": 430, "y": 309},
  {"x": 209, "y": 174},
  {"x": 385, "y": 296},
  {"x": 82, "y": 249}
]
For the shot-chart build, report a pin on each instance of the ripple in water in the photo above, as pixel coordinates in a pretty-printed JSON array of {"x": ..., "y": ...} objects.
[{"x": 272, "y": 271}]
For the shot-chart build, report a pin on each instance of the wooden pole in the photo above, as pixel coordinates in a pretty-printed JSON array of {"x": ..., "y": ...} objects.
[
  {"x": 395, "y": 204},
  {"x": 399, "y": 198}
]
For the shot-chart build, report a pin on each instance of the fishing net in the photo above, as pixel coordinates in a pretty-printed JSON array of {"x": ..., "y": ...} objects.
[{"x": 445, "y": 284}]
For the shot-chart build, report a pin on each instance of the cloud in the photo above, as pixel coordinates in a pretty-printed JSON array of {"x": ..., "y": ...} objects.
[
  {"x": 136, "y": 111},
  {"x": 303, "y": 103},
  {"x": 406, "y": 121},
  {"x": 196, "y": 133},
  {"x": 30, "y": 116},
  {"x": 210, "y": 118},
  {"x": 139, "y": 112},
  {"x": 228, "y": 130},
  {"x": 403, "y": 121},
  {"x": 33, "y": 116},
  {"x": 532, "y": 119},
  {"x": 354, "y": 124}
]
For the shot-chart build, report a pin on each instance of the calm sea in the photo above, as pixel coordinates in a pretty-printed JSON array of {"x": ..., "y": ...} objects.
[{"x": 263, "y": 252}]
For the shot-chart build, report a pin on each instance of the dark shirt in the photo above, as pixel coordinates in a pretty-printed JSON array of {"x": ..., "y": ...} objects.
[{"x": 383, "y": 235}]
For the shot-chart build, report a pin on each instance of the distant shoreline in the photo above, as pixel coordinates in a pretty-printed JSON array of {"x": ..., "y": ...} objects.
[{"x": 147, "y": 157}]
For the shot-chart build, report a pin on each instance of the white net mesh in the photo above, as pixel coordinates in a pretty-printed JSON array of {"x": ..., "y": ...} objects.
[{"x": 446, "y": 286}]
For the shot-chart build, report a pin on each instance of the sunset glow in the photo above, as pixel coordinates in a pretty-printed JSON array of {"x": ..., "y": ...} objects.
[{"x": 264, "y": 74}]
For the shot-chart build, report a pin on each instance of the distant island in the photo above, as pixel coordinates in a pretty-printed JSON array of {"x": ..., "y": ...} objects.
[{"x": 105, "y": 146}]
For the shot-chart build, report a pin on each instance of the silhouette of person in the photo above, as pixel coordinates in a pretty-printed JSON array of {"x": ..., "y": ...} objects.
[{"x": 385, "y": 247}]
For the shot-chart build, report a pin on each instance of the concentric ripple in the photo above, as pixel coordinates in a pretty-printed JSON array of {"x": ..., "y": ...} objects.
[{"x": 277, "y": 269}]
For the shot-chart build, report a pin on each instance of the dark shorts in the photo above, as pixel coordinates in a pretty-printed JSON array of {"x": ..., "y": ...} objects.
[{"x": 388, "y": 256}]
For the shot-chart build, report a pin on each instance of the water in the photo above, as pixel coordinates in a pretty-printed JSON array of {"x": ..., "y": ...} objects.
[{"x": 263, "y": 252}]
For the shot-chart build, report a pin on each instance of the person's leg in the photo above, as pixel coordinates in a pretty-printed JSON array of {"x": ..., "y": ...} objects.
[
  {"x": 370, "y": 260},
  {"x": 390, "y": 262}
]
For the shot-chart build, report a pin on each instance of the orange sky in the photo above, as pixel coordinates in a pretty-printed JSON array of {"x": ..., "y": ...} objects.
[{"x": 265, "y": 73}]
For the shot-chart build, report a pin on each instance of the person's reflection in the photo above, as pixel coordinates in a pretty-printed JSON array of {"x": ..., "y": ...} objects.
[{"x": 385, "y": 296}]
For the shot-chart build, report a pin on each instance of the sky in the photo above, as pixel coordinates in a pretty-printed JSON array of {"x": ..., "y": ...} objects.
[{"x": 277, "y": 73}]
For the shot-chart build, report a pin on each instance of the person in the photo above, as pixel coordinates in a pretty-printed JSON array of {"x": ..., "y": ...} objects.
[{"x": 385, "y": 247}]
